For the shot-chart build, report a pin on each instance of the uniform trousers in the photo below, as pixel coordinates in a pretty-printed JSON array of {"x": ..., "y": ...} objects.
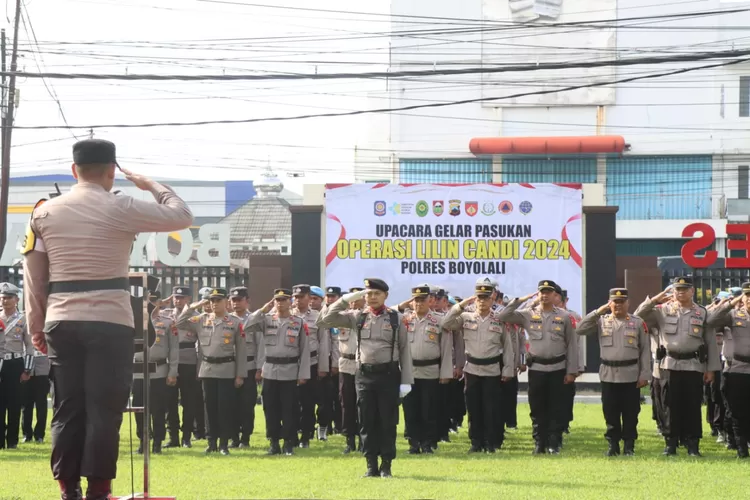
[
  {"x": 621, "y": 404},
  {"x": 547, "y": 400},
  {"x": 325, "y": 412},
  {"x": 187, "y": 387},
  {"x": 199, "y": 421},
  {"x": 483, "y": 405},
  {"x": 509, "y": 403},
  {"x": 348, "y": 400},
  {"x": 715, "y": 411},
  {"x": 309, "y": 396},
  {"x": 377, "y": 403},
  {"x": 728, "y": 419},
  {"x": 219, "y": 395},
  {"x": 35, "y": 398},
  {"x": 92, "y": 373},
  {"x": 682, "y": 393},
  {"x": 421, "y": 410},
  {"x": 570, "y": 398},
  {"x": 333, "y": 396},
  {"x": 458, "y": 410},
  {"x": 445, "y": 394},
  {"x": 281, "y": 408},
  {"x": 10, "y": 401},
  {"x": 738, "y": 392},
  {"x": 157, "y": 402},
  {"x": 657, "y": 405},
  {"x": 246, "y": 397}
]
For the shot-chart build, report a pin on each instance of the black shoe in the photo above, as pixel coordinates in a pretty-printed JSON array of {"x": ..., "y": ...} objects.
[
  {"x": 186, "y": 443},
  {"x": 140, "y": 449},
  {"x": 445, "y": 439},
  {"x": 39, "y": 440},
  {"x": 614, "y": 449},
  {"x": 372, "y": 468},
  {"x": 714, "y": 432},
  {"x": 553, "y": 447},
  {"x": 304, "y": 443},
  {"x": 27, "y": 439},
  {"x": 288, "y": 448},
  {"x": 490, "y": 449},
  {"x": 244, "y": 445},
  {"x": 224, "y": 450},
  {"x": 156, "y": 448},
  {"x": 671, "y": 447},
  {"x": 628, "y": 448},
  {"x": 539, "y": 449},
  {"x": 742, "y": 451},
  {"x": 211, "y": 447},
  {"x": 72, "y": 491},
  {"x": 427, "y": 448},
  {"x": 385, "y": 469},
  {"x": 173, "y": 443},
  {"x": 413, "y": 448},
  {"x": 234, "y": 444},
  {"x": 475, "y": 448},
  {"x": 351, "y": 445},
  {"x": 275, "y": 449},
  {"x": 198, "y": 436},
  {"x": 693, "y": 447}
]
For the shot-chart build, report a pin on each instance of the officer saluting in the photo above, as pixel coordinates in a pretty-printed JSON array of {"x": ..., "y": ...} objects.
[
  {"x": 247, "y": 395},
  {"x": 552, "y": 361},
  {"x": 77, "y": 293},
  {"x": 18, "y": 362},
  {"x": 382, "y": 341},
  {"x": 625, "y": 367},
  {"x": 223, "y": 354},
  {"x": 687, "y": 355}
]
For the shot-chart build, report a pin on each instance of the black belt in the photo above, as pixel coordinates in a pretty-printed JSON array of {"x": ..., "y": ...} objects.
[
  {"x": 683, "y": 355},
  {"x": 530, "y": 360},
  {"x": 615, "y": 364},
  {"x": 213, "y": 360},
  {"x": 251, "y": 358},
  {"x": 378, "y": 368},
  {"x": 284, "y": 360},
  {"x": 160, "y": 362},
  {"x": 425, "y": 362},
  {"x": 187, "y": 345},
  {"x": 89, "y": 285},
  {"x": 313, "y": 354},
  {"x": 739, "y": 357},
  {"x": 484, "y": 361},
  {"x": 349, "y": 356}
]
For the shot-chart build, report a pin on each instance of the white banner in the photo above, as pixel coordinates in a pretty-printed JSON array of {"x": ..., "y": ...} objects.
[{"x": 452, "y": 235}]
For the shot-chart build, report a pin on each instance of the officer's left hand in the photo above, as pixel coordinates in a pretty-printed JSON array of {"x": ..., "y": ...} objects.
[
  {"x": 301, "y": 382},
  {"x": 322, "y": 374},
  {"x": 238, "y": 381},
  {"x": 334, "y": 371},
  {"x": 445, "y": 380},
  {"x": 570, "y": 378},
  {"x": 171, "y": 381},
  {"x": 521, "y": 368},
  {"x": 25, "y": 377},
  {"x": 708, "y": 377},
  {"x": 40, "y": 342},
  {"x": 641, "y": 383},
  {"x": 504, "y": 379}
]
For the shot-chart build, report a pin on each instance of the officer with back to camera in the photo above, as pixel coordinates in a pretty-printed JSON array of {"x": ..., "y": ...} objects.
[{"x": 77, "y": 295}]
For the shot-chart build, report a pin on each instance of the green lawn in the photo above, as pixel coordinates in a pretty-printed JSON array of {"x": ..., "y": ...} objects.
[{"x": 581, "y": 472}]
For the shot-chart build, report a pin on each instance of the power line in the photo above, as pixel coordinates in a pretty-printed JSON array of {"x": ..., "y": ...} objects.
[{"x": 404, "y": 108}]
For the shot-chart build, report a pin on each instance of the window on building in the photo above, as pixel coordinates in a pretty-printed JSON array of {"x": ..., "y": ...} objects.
[
  {"x": 745, "y": 96},
  {"x": 743, "y": 182},
  {"x": 284, "y": 249},
  {"x": 449, "y": 171}
]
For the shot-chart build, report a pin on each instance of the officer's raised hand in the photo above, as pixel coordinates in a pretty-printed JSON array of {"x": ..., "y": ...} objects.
[
  {"x": 605, "y": 309},
  {"x": 354, "y": 296},
  {"x": 268, "y": 306},
  {"x": 141, "y": 182}
]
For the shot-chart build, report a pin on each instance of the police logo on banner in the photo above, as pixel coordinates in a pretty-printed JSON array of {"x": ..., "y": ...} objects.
[
  {"x": 488, "y": 208},
  {"x": 379, "y": 208},
  {"x": 525, "y": 207},
  {"x": 437, "y": 207},
  {"x": 471, "y": 207},
  {"x": 454, "y": 207}
]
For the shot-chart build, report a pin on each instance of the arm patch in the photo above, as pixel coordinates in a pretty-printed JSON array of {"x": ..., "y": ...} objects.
[{"x": 30, "y": 239}]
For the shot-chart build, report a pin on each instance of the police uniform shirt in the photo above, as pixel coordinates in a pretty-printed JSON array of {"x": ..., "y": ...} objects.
[
  {"x": 620, "y": 340},
  {"x": 738, "y": 321},
  {"x": 164, "y": 351},
  {"x": 581, "y": 345},
  {"x": 218, "y": 337},
  {"x": 319, "y": 340},
  {"x": 682, "y": 331},
  {"x": 727, "y": 350},
  {"x": 377, "y": 336},
  {"x": 16, "y": 335},
  {"x": 88, "y": 234},
  {"x": 428, "y": 341},
  {"x": 551, "y": 335},
  {"x": 188, "y": 355},
  {"x": 346, "y": 344},
  {"x": 252, "y": 339},
  {"x": 282, "y": 338},
  {"x": 654, "y": 338},
  {"x": 483, "y": 338}
]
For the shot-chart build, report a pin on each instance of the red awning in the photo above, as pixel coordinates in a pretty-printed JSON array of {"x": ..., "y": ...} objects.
[{"x": 547, "y": 145}]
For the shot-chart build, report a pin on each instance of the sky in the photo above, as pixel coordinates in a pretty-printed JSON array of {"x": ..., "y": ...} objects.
[{"x": 188, "y": 37}]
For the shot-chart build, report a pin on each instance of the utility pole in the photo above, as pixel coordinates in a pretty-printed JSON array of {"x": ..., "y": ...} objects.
[
  {"x": 7, "y": 130},
  {"x": 4, "y": 95}
]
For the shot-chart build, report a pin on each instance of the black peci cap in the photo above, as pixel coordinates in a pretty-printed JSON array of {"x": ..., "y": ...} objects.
[
  {"x": 376, "y": 284},
  {"x": 301, "y": 289},
  {"x": 239, "y": 291},
  {"x": 333, "y": 290},
  {"x": 93, "y": 152},
  {"x": 181, "y": 291}
]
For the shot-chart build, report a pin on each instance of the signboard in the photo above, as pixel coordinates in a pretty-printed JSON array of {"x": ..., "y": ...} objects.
[
  {"x": 149, "y": 248},
  {"x": 452, "y": 235},
  {"x": 706, "y": 240}
]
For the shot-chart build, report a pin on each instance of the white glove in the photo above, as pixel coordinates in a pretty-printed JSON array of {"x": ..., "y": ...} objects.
[
  {"x": 404, "y": 389},
  {"x": 350, "y": 297}
]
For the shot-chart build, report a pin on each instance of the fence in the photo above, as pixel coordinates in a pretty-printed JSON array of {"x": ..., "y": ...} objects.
[
  {"x": 194, "y": 278},
  {"x": 709, "y": 282}
]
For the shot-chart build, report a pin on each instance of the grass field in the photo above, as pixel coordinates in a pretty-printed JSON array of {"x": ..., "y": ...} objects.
[{"x": 580, "y": 472}]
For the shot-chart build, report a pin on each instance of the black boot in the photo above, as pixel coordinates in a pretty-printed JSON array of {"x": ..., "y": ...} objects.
[
  {"x": 539, "y": 448},
  {"x": 427, "y": 448},
  {"x": 224, "y": 447},
  {"x": 614, "y": 448},
  {"x": 156, "y": 448},
  {"x": 140, "y": 448},
  {"x": 211, "y": 446},
  {"x": 174, "y": 442},
  {"x": 372, "y": 467},
  {"x": 275, "y": 449},
  {"x": 359, "y": 446},
  {"x": 629, "y": 448},
  {"x": 235, "y": 443},
  {"x": 693, "y": 447},
  {"x": 288, "y": 448},
  {"x": 731, "y": 441},
  {"x": 476, "y": 447},
  {"x": 413, "y": 447},
  {"x": 351, "y": 445},
  {"x": 70, "y": 490},
  {"x": 671, "y": 447},
  {"x": 554, "y": 444},
  {"x": 385, "y": 468}
]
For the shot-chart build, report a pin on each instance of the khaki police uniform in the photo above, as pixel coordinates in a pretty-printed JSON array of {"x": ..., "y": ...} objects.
[
  {"x": 384, "y": 365},
  {"x": 456, "y": 400},
  {"x": 687, "y": 349},
  {"x": 490, "y": 357},
  {"x": 311, "y": 393},
  {"x": 431, "y": 361},
  {"x": 77, "y": 291},
  {"x": 552, "y": 354},
  {"x": 164, "y": 353},
  {"x": 223, "y": 353},
  {"x": 727, "y": 355},
  {"x": 625, "y": 360},
  {"x": 18, "y": 359},
  {"x": 284, "y": 358},
  {"x": 247, "y": 395}
]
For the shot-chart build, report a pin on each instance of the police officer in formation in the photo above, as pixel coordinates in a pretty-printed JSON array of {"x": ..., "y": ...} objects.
[
  {"x": 163, "y": 352},
  {"x": 625, "y": 367},
  {"x": 17, "y": 364},
  {"x": 222, "y": 349},
  {"x": 34, "y": 399},
  {"x": 284, "y": 358},
  {"x": 384, "y": 369},
  {"x": 330, "y": 417},
  {"x": 247, "y": 394}
]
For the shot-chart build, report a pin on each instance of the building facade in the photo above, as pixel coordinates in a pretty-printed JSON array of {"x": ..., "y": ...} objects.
[{"x": 688, "y": 145}]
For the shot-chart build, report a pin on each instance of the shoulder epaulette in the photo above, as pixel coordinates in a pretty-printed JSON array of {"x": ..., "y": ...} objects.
[{"x": 29, "y": 240}]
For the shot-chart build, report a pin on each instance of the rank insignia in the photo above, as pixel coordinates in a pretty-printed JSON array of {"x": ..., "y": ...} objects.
[
  {"x": 159, "y": 325},
  {"x": 158, "y": 339},
  {"x": 739, "y": 323},
  {"x": 558, "y": 318},
  {"x": 630, "y": 341},
  {"x": 536, "y": 316},
  {"x": 696, "y": 330},
  {"x": 226, "y": 341},
  {"x": 557, "y": 328},
  {"x": 432, "y": 336}
]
